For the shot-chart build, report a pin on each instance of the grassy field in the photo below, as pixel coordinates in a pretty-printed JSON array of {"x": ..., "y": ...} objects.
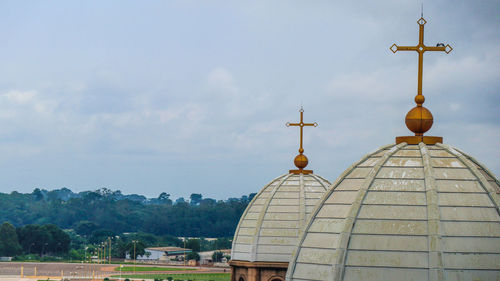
[
  {"x": 151, "y": 268},
  {"x": 183, "y": 276}
]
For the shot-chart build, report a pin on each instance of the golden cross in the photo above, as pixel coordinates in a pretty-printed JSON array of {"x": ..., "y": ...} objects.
[
  {"x": 421, "y": 49},
  {"x": 301, "y": 125}
]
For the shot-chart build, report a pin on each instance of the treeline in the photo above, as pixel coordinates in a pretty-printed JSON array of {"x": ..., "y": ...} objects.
[
  {"x": 49, "y": 242},
  {"x": 40, "y": 239},
  {"x": 103, "y": 210}
]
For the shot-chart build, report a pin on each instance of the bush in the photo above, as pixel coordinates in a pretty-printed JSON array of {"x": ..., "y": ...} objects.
[
  {"x": 49, "y": 258},
  {"x": 217, "y": 256},
  {"x": 193, "y": 256}
]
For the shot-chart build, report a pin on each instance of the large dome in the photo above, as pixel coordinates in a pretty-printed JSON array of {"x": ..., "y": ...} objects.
[
  {"x": 272, "y": 223},
  {"x": 405, "y": 212}
]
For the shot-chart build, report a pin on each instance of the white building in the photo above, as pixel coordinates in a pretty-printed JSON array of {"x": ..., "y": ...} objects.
[{"x": 161, "y": 253}]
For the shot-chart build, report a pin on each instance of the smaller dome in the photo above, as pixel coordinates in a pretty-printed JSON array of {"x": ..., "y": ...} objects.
[{"x": 274, "y": 220}]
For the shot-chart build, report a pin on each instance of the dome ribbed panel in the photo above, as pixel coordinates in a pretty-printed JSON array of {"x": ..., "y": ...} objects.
[
  {"x": 470, "y": 214},
  {"x": 270, "y": 226},
  {"x": 405, "y": 212}
]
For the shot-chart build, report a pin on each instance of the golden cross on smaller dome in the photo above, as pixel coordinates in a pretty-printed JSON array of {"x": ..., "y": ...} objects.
[
  {"x": 419, "y": 119},
  {"x": 301, "y": 160}
]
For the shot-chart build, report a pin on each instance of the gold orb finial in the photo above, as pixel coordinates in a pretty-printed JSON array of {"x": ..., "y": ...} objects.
[
  {"x": 419, "y": 119},
  {"x": 300, "y": 161}
]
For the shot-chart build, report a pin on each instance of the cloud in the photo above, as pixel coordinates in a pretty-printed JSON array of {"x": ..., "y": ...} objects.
[
  {"x": 220, "y": 80},
  {"x": 379, "y": 86},
  {"x": 20, "y": 97},
  {"x": 21, "y": 104},
  {"x": 470, "y": 71}
]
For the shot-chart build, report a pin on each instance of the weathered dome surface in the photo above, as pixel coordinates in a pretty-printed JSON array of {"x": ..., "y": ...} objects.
[
  {"x": 272, "y": 223},
  {"x": 405, "y": 212}
]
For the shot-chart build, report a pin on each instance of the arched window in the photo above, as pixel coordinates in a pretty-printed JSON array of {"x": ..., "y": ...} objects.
[{"x": 241, "y": 278}]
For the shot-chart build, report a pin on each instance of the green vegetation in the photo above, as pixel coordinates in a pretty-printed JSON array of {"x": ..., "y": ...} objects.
[
  {"x": 9, "y": 242},
  {"x": 217, "y": 256},
  {"x": 151, "y": 268},
  {"x": 103, "y": 210},
  {"x": 60, "y": 225},
  {"x": 183, "y": 276},
  {"x": 193, "y": 256},
  {"x": 32, "y": 238}
]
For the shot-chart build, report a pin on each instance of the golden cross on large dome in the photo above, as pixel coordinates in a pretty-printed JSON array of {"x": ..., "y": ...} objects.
[
  {"x": 419, "y": 119},
  {"x": 301, "y": 160}
]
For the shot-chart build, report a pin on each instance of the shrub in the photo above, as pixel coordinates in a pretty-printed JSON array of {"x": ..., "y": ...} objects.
[{"x": 193, "y": 256}]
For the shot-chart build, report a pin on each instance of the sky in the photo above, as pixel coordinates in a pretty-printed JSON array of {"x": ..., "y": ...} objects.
[{"x": 193, "y": 96}]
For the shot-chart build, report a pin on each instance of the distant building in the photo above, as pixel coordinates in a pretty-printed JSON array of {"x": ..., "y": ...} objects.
[
  {"x": 206, "y": 257},
  {"x": 161, "y": 253}
]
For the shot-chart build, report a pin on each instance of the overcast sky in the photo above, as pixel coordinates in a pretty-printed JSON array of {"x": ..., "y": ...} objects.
[{"x": 193, "y": 96}]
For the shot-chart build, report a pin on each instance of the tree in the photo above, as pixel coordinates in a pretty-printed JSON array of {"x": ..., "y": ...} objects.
[
  {"x": 195, "y": 199},
  {"x": 120, "y": 249},
  {"x": 180, "y": 200},
  {"x": 193, "y": 256},
  {"x": 85, "y": 227},
  {"x": 101, "y": 235},
  {"x": 37, "y": 193},
  {"x": 105, "y": 192},
  {"x": 208, "y": 202},
  {"x": 88, "y": 211},
  {"x": 217, "y": 256},
  {"x": 223, "y": 243},
  {"x": 33, "y": 238},
  {"x": 147, "y": 238},
  {"x": 251, "y": 196},
  {"x": 9, "y": 243},
  {"x": 59, "y": 240},
  {"x": 43, "y": 239},
  {"x": 75, "y": 255},
  {"x": 164, "y": 198},
  {"x": 193, "y": 244},
  {"x": 140, "y": 249}
]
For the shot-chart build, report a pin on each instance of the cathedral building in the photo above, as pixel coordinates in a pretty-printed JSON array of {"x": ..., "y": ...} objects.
[
  {"x": 419, "y": 209},
  {"x": 269, "y": 228}
]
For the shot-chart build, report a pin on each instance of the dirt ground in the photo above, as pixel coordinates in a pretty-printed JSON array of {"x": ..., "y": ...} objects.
[
  {"x": 31, "y": 269},
  {"x": 73, "y": 271}
]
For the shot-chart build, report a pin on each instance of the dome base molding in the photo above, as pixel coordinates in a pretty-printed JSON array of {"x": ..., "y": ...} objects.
[
  {"x": 418, "y": 139},
  {"x": 298, "y": 172}
]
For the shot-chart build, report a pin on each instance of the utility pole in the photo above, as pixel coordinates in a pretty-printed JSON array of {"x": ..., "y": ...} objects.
[
  {"x": 135, "y": 242},
  {"x": 109, "y": 256}
]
